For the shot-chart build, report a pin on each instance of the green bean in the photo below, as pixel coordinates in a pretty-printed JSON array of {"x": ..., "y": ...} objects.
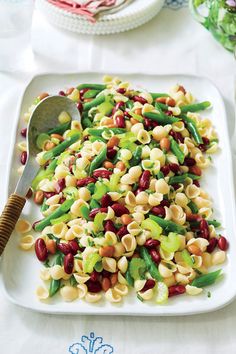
[
  {"x": 42, "y": 174},
  {"x": 98, "y": 100},
  {"x": 136, "y": 157},
  {"x": 161, "y": 106},
  {"x": 161, "y": 118},
  {"x": 168, "y": 225},
  {"x": 192, "y": 128},
  {"x": 206, "y": 279},
  {"x": 182, "y": 178},
  {"x": 86, "y": 123},
  {"x": 55, "y": 284},
  {"x": 214, "y": 223},
  {"x": 193, "y": 207},
  {"x": 98, "y": 87},
  {"x": 57, "y": 150},
  {"x": 44, "y": 206},
  {"x": 129, "y": 104},
  {"x": 98, "y": 160},
  {"x": 60, "y": 129},
  {"x": 157, "y": 95},
  {"x": 73, "y": 281},
  {"x": 63, "y": 208},
  {"x": 195, "y": 107},
  {"x": 98, "y": 132},
  {"x": 94, "y": 204},
  {"x": 128, "y": 277},
  {"x": 160, "y": 175},
  {"x": 153, "y": 270},
  {"x": 97, "y": 138},
  {"x": 90, "y": 93},
  {"x": 85, "y": 212},
  {"x": 174, "y": 146}
]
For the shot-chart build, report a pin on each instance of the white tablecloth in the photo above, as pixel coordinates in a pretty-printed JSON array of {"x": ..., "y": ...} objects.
[{"x": 171, "y": 43}]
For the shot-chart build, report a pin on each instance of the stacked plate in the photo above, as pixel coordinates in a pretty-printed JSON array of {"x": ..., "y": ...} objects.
[{"x": 135, "y": 14}]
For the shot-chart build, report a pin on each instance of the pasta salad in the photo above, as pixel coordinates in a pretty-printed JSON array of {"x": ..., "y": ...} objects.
[{"x": 120, "y": 196}]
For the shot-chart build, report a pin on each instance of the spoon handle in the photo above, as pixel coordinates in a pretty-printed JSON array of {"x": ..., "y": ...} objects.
[{"x": 9, "y": 217}]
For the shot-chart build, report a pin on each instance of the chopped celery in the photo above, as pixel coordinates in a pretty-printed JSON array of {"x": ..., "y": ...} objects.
[
  {"x": 187, "y": 258},
  {"x": 90, "y": 262},
  {"x": 84, "y": 210},
  {"x": 137, "y": 268},
  {"x": 113, "y": 183},
  {"x": 152, "y": 226},
  {"x": 63, "y": 218},
  {"x": 170, "y": 243},
  {"x": 105, "y": 108},
  {"x": 42, "y": 174},
  {"x": 41, "y": 140},
  {"x": 100, "y": 190},
  {"x": 98, "y": 222},
  {"x": 72, "y": 192},
  {"x": 162, "y": 293}
]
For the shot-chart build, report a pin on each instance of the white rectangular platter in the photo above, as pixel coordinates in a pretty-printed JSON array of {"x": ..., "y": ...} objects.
[{"x": 21, "y": 269}]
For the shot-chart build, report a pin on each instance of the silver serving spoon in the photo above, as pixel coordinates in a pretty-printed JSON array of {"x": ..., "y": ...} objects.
[{"x": 43, "y": 118}]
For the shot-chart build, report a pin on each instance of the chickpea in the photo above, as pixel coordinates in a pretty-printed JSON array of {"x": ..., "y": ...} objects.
[
  {"x": 113, "y": 141},
  {"x": 133, "y": 121},
  {"x": 194, "y": 250},
  {"x": 57, "y": 136},
  {"x": 106, "y": 284},
  {"x": 69, "y": 90},
  {"x": 138, "y": 111},
  {"x": 108, "y": 164},
  {"x": 49, "y": 145},
  {"x": 126, "y": 219},
  {"x": 165, "y": 144},
  {"x": 114, "y": 279},
  {"x": 120, "y": 165},
  {"x": 43, "y": 95},
  {"x": 38, "y": 197},
  {"x": 51, "y": 246},
  {"x": 106, "y": 251}
]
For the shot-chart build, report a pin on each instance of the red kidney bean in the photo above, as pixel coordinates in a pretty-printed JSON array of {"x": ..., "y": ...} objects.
[
  {"x": 35, "y": 223},
  {"x": 29, "y": 193},
  {"x": 102, "y": 173},
  {"x": 164, "y": 203},
  {"x": 60, "y": 185},
  {"x": 120, "y": 121},
  {"x": 139, "y": 99},
  {"x": 122, "y": 231},
  {"x": 156, "y": 257},
  {"x": 85, "y": 181},
  {"x": 174, "y": 167},
  {"x": 144, "y": 180},
  {"x": 106, "y": 201},
  {"x": 193, "y": 217},
  {"x": 64, "y": 248},
  {"x": 119, "y": 105},
  {"x": 121, "y": 90},
  {"x": 119, "y": 209},
  {"x": 94, "y": 276},
  {"x": 62, "y": 200},
  {"x": 176, "y": 186},
  {"x": 93, "y": 286},
  {"x": 195, "y": 170},
  {"x": 202, "y": 147},
  {"x": 212, "y": 245},
  {"x": 150, "y": 283},
  {"x": 223, "y": 243},
  {"x": 158, "y": 211},
  {"x": 182, "y": 89},
  {"x": 147, "y": 123},
  {"x": 127, "y": 115},
  {"x": 196, "y": 183},
  {"x": 138, "y": 190},
  {"x": 169, "y": 113},
  {"x": 79, "y": 107},
  {"x": 111, "y": 153},
  {"x": 205, "y": 233},
  {"x": 24, "y": 132},
  {"x": 165, "y": 170},
  {"x": 41, "y": 250},
  {"x": 74, "y": 247},
  {"x": 109, "y": 226},
  {"x": 23, "y": 157},
  {"x": 69, "y": 263},
  {"x": 189, "y": 161},
  {"x": 105, "y": 273},
  {"x": 205, "y": 140},
  {"x": 49, "y": 194},
  {"x": 94, "y": 212},
  {"x": 176, "y": 290},
  {"x": 177, "y": 136},
  {"x": 61, "y": 93},
  {"x": 82, "y": 92},
  {"x": 150, "y": 243}
]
